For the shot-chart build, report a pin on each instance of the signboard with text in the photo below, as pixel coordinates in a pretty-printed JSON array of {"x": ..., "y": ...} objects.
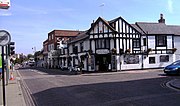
[{"x": 4, "y": 4}]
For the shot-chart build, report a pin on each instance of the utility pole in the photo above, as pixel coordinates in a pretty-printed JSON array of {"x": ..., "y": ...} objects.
[{"x": 3, "y": 78}]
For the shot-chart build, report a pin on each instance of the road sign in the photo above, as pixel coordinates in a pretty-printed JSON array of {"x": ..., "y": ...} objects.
[
  {"x": 4, "y": 4},
  {"x": 5, "y": 38}
]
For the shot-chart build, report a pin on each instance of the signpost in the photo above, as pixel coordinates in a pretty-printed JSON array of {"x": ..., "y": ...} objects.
[{"x": 5, "y": 39}]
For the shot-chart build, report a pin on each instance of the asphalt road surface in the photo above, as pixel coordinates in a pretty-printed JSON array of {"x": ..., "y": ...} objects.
[{"x": 129, "y": 88}]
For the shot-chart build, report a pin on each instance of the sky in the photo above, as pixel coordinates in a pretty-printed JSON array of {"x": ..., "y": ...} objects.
[{"x": 30, "y": 21}]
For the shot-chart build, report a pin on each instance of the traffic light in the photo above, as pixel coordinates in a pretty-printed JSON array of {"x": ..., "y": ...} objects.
[{"x": 11, "y": 48}]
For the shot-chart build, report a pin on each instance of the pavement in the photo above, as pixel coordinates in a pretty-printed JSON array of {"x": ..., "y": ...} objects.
[{"x": 15, "y": 96}]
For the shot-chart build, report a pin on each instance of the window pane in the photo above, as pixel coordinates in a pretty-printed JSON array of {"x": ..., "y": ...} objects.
[
  {"x": 161, "y": 40},
  {"x": 152, "y": 60},
  {"x": 99, "y": 43},
  {"x": 144, "y": 41},
  {"x": 164, "y": 58},
  {"x": 102, "y": 41},
  {"x": 107, "y": 43}
]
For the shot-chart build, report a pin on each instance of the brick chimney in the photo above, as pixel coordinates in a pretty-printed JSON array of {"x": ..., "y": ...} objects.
[{"x": 161, "y": 20}]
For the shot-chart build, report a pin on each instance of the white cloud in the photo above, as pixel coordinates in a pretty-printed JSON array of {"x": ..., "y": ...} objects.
[
  {"x": 5, "y": 14},
  {"x": 30, "y": 10},
  {"x": 170, "y": 6}
]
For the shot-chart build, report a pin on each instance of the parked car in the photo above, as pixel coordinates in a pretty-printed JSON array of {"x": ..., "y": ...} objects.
[{"x": 173, "y": 68}]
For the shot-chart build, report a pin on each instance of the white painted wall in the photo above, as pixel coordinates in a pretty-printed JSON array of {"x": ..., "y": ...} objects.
[
  {"x": 177, "y": 44},
  {"x": 129, "y": 66},
  {"x": 158, "y": 64}
]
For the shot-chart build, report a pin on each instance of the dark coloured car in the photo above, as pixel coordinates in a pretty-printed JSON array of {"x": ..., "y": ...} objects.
[{"x": 173, "y": 68}]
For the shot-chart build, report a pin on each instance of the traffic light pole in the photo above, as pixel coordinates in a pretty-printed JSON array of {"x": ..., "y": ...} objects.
[
  {"x": 7, "y": 65},
  {"x": 3, "y": 78}
]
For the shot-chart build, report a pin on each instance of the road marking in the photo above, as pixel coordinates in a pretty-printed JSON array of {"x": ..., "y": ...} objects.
[
  {"x": 42, "y": 73},
  {"x": 168, "y": 84}
]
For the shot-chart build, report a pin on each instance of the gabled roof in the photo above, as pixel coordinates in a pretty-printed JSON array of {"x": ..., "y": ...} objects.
[
  {"x": 175, "y": 29},
  {"x": 154, "y": 28},
  {"x": 135, "y": 27},
  {"x": 104, "y": 21}
]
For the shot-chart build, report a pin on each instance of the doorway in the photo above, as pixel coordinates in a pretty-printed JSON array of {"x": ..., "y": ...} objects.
[{"x": 102, "y": 62}]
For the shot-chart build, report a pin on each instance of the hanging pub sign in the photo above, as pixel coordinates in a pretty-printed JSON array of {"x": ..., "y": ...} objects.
[{"x": 4, "y": 4}]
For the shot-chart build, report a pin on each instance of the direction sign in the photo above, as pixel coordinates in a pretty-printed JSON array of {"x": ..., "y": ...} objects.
[{"x": 5, "y": 38}]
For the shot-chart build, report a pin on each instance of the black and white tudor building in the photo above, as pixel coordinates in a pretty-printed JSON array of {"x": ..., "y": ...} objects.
[{"x": 117, "y": 45}]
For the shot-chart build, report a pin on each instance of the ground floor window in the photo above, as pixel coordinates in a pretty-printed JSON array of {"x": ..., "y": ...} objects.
[
  {"x": 164, "y": 58},
  {"x": 152, "y": 60}
]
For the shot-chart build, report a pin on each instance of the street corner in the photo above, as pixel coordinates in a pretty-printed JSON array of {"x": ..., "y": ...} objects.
[{"x": 174, "y": 84}]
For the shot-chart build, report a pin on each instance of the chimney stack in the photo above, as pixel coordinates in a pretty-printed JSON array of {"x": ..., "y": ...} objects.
[{"x": 161, "y": 20}]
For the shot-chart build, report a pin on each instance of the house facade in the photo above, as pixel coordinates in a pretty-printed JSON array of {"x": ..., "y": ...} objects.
[
  {"x": 116, "y": 45},
  {"x": 57, "y": 40}
]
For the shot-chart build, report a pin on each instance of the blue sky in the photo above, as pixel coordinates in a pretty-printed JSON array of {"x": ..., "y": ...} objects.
[{"x": 29, "y": 21}]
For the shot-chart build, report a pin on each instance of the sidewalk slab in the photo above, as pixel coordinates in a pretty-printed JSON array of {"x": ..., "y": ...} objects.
[{"x": 14, "y": 95}]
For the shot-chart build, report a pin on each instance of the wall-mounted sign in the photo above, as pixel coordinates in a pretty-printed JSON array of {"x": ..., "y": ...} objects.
[
  {"x": 102, "y": 51},
  {"x": 5, "y": 38},
  {"x": 131, "y": 59}
]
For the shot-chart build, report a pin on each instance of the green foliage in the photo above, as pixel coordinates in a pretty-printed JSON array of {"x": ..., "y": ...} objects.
[{"x": 30, "y": 56}]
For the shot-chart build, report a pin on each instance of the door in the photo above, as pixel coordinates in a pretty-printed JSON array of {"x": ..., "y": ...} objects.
[{"x": 102, "y": 62}]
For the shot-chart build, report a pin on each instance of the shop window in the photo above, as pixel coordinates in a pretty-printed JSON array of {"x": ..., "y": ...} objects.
[
  {"x": 164, "y": 58},
  {"x": 152, "y": 60}
]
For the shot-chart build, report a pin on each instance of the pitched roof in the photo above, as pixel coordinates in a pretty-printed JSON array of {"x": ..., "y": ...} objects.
[
  {"x": 104, "y": 21},
  {"x": 175, "y": 29},
  {"x": 64, "y": 32},
  {"x": 80, "y": 36},
  {"x": 137, "y": 28},
  {"x": 154, "y": 28}
]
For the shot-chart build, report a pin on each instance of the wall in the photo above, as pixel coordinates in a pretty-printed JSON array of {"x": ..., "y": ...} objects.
[{"x": 157, "y": 63}]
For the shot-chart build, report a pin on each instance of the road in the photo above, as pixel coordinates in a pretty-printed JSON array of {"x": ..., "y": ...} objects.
[{"x": 129, "y": 88}]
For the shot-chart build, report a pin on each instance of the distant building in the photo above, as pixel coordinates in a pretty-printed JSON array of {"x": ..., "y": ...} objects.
[{"x": 53, "y": 45}]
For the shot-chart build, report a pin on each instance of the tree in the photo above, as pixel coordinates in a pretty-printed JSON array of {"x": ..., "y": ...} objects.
[{"x": 30, "y": 56}]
